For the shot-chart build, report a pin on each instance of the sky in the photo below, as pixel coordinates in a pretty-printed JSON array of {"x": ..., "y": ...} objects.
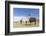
[{"x": 25, "y": 12}]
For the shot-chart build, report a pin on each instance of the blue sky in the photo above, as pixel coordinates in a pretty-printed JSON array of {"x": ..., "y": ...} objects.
[{"x": 25, "y": 12}]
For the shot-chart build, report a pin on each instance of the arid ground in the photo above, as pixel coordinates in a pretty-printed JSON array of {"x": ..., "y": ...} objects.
[{"x": 23, "y": 24}]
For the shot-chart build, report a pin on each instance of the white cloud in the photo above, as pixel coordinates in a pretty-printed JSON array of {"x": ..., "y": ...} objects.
[{"x": 24, "y": 18}]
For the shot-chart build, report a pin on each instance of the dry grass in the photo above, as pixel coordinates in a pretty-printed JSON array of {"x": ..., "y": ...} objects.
[{"x": 23, "y": 24}]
